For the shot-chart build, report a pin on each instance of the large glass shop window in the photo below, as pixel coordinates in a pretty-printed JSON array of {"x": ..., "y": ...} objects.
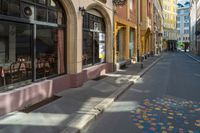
[
  {"x": 93, "y": 39},
  {"x": 49, "y": 51},
  {"x": 15, "y": 52},
  {"x": 10, "y": 7},
  {"x": 24, "y": 58}
]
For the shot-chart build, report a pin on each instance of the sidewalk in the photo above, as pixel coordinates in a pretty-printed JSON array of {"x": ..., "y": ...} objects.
[
  {"x": 75, "y": 108},
  {"x": 193, "y": 56}
]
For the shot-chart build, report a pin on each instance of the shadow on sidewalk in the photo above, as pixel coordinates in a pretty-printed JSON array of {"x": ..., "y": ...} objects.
[{"x": 68, "y": 105}]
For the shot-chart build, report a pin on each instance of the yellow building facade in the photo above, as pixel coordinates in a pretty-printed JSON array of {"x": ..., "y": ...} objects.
[
  {"x": 146, "y": 12},
  {"x": 125, "y": 27},
  {"x": 157, "y": 40},
  {"x": 169, "y": 24}
]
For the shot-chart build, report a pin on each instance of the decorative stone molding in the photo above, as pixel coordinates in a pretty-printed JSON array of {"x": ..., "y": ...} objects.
[
  {"x": 119, "y": 2},
  {"x": 103, "y": 1}
]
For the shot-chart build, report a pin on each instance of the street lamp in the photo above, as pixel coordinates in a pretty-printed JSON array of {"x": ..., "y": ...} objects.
[{"x": 82, "y": 10}]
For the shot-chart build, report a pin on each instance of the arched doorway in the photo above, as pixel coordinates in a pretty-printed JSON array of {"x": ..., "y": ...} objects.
[
  {"x": 94, "y": 38},
  {"x": 32, "y": 41}
]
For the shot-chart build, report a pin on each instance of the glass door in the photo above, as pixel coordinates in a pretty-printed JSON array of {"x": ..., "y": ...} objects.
[
  {"x": 131, "y": 44},
  {"x": 120, "y": 45}
]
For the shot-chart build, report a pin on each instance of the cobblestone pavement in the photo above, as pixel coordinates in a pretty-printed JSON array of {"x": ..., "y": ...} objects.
[
  {"x": 165, "y": 100},
  {"x": 168, "y": 115}
]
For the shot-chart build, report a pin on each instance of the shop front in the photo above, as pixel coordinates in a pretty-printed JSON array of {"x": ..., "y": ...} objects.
[
  {"x": 125, "y": 49},
  {"x": 125, "y": 45},
  {"x": 94, "y": 45},
  {"x": 31, "y": 41},
  {"x": 32, "y": 51},
  {"x": 97, "y": 54},
  {"x": 47, "y": 46}
]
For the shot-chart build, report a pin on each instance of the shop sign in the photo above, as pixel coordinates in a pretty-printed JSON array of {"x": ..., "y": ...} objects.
[
  {"x": 101, "y": 37},
  {"x": 97, "y": 26}
]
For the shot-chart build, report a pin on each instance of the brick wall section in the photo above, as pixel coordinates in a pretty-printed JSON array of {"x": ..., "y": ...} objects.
[
  {"x": 133, "y": 13},
  {"x": 121, "y": 12}
]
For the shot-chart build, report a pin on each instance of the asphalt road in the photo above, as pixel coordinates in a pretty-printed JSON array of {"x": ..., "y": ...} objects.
[{"x": 166, "y": 99}]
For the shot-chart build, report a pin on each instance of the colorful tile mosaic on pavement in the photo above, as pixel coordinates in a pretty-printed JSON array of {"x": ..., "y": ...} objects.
[{"x": 167, "y": 115}]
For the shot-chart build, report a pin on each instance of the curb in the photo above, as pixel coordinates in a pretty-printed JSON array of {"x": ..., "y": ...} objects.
[
  {"x": 149, "y": 67},
  {"x": 109, "y": 100},
  {"x": 192, "y": 57},
  {"x": 82, "y": 120}
]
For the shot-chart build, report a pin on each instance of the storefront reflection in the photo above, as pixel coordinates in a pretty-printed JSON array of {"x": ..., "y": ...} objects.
[
  {"x": 22, "y": 69},
  {"x": 46, "y": 66},
  {"x": 15, "y": 55},
  {"x": 15, "y": 72},
  {"x": 25, "y": 58}
]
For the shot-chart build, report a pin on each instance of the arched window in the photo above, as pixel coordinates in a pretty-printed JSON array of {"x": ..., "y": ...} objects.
[
  {"x": 93, "y": 38},
  {"x": 32, "y": 44}
]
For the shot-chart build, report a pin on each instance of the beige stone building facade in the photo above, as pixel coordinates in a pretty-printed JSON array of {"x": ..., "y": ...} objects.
[
  {"x": 70, "y": 45},
  {"x": 75, "y": 30}
]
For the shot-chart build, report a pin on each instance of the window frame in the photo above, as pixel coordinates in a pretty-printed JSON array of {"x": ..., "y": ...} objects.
[
  {"x": 89, "y": 18},
  {"x": 34, "y": 23}
]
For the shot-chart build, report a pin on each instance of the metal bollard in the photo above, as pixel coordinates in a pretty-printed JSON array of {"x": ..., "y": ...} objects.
[{"x": 141, "y": 65}]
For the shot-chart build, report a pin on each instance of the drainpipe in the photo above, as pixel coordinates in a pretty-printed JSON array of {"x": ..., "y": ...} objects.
[
  {"x": 139, "y": 57},
  {"x": 138, "y": 40},
  {"x": 114, "y": 8}
]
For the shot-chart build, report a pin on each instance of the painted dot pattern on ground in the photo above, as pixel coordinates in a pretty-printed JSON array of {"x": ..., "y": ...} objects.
[{"x": 167, "y": 115}]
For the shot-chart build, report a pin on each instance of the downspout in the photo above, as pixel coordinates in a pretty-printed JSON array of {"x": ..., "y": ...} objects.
[
  {"x": 138, "y": 41},
  {"x": 114, "y": 8}
]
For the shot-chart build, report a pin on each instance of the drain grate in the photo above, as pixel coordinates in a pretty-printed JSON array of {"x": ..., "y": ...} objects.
[
  {"x": 40, "y": 104},
  {"x": 100, "y": 77}
]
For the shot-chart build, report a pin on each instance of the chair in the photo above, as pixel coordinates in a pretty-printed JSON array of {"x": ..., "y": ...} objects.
[
  {"x": 40, "y": 70},
  {"x": 22, "y": 69},
  {"x": 28, "y": 69},
  {"x": 15, "y": 72}
]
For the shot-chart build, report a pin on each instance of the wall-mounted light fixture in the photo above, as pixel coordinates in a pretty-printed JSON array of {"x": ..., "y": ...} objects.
[{"x": 82, "y": 10}]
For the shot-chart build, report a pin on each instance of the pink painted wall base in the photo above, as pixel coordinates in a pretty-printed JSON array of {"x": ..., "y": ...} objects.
[{"x": 31, "y": 94}]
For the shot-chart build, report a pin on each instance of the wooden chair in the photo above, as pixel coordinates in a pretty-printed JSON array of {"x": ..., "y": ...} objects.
[
  {"x": 28, "y": 69},
  {"x": 40, "y": 70},
  {"x": 15, "y": 72}
]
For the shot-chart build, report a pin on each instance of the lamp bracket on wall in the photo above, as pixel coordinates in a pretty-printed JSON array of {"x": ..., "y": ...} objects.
[{"x": 82, "y": 10}]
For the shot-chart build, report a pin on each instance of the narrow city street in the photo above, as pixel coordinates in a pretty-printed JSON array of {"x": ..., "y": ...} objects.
[
  {"x": 99, "y": 66},
  {"x": 166, "y": 99}
]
